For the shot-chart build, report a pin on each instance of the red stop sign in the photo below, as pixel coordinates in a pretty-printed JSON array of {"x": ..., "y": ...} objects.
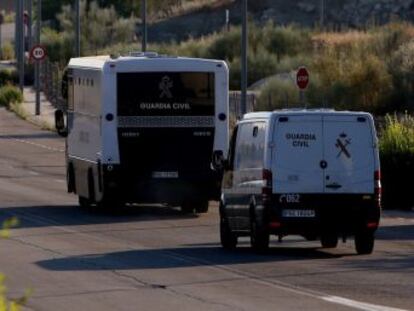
[{"x": 302, "y": 78}]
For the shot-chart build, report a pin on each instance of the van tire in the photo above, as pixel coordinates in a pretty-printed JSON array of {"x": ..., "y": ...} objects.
[
  {"x": 259, "y": 236},
  {"x": 227, "y": 238},
  {"x": 329, "y": 240},
  {"x": 364, "y": 242},
  {"x": 201, "y": 207}
]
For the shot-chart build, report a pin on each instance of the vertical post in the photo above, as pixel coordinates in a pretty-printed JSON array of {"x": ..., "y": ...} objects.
[
  {"x": 144, "y": 25},
  {"x": 227, "y": 20},
  {"x": 77, "y": 29},
  {"x": 302, "y": 98},
  {"x": 244, "y": 58},
  {"x": 16, "y": 31},
  {"x": 37, "y": 64},
  {"x": 1, "y": 53},
  {"x": 29, "y": 24},
  {"x": 322, "y": 14},
  {"x": 21, "y": 43}
]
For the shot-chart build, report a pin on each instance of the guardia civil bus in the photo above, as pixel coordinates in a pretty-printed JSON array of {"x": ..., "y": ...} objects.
[{"x": 145, "y": 128}]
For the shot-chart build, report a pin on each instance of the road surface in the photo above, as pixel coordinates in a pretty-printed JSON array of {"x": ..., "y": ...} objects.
[{"x": 155, "y": 258}]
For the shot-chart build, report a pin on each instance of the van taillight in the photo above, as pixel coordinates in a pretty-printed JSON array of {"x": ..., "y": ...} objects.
[
  {"x": 267, "y": 184},
  {"x": 377, "y": 187}
]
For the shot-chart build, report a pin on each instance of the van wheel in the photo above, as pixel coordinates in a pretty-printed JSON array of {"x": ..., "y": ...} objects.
[
  {"x": 259, "y": 237},
  {"x": 201, "y": 207},
  {"x": 227, "y": 238},
  {"x": 364, "y": 242},
  {"x": 329, "y": 240}
]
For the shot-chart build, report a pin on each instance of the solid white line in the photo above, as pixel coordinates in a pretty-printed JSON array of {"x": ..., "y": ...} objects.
[{"x": 359, "y": 305}]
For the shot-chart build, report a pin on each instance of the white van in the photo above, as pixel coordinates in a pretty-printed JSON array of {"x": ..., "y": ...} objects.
[{"x": 314, "y": 173}]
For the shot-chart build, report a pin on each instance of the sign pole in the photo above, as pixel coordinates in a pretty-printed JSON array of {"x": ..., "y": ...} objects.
[
  {"x": 21, "y": 52},
  {"x": 37, "y": 65},
  {"x": 1, "y": 21},
  {"x": 77, "y": 29},
  {"x": 244, "y": 59},
  {"x": 144, "y": 25}
]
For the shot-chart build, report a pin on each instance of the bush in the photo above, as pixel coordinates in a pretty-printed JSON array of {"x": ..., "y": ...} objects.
[
  {"x": 279, "y": 92},
  {"x": 8, "y": 76},
  {"x": 7, "y": 51},
  {"x": 397, "y": 161},
  {"x": 10, "y": 95}
]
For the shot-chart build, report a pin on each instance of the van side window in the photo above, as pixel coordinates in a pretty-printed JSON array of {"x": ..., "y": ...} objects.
[{"x": 250, "y": 146}]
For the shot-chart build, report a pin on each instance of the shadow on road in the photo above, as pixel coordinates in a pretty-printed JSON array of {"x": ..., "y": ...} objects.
[
  {"x": 71, "y": 215},
  {"x": 402, "y": 232},
  {"x": 178, "y": 258},
  {"x": 48, "y": 135}
]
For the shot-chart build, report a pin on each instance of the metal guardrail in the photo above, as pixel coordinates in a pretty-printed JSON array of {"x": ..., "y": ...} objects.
[{"x": 51, "y": 77}]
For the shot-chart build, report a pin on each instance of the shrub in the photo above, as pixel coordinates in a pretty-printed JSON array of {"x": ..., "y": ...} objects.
[
  {"x": 7, "y": 51},
  {"x": 279, "y": 92},
  {"x": 397, "y": 161},
  {"x": 8, "y": 76},
  {"x": 10, "y": 95}
]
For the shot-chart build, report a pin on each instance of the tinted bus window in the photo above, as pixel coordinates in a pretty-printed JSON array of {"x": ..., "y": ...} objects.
[{"x": 166, "y": 94}]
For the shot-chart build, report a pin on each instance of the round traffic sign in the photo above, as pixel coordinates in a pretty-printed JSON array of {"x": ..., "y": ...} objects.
[
  {"x": 302, "y": 78},
  {"x": 38, "y": 53}
]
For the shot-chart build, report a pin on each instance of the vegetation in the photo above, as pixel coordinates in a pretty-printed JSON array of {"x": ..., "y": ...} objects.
[
  {"x": 8, "y": 76},
  {"x": 9, "y": 96},
  {"x": 5, "y": 303},
  {"x": 397, "y": 159}
]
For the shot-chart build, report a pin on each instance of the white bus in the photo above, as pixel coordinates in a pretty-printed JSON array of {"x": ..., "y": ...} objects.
[{"x": 145, "y": 129}]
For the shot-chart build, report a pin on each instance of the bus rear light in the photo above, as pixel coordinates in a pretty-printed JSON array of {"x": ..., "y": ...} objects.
[
  {"x": 372, "y": 225},
  {"x": 275, "y": 225}
]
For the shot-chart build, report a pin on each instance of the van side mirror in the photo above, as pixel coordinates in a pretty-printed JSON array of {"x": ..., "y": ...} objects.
[{"x": 60, "y": 123}]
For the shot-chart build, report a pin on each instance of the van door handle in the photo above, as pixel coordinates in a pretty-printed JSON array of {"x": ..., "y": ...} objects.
[{"x": 334, "y": 186}]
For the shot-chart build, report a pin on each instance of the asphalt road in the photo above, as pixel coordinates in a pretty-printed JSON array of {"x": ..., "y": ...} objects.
[{"x": 154, "y": 258}]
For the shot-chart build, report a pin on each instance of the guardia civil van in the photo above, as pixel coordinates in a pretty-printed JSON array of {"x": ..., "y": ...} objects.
[
  {"x": 145, "y": 128},
  {"x": 314, "y": 173}
]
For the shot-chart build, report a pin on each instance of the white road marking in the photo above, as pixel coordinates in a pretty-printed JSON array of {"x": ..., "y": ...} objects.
[
  {"x": 359, "y": 305},
  {"x": 39, "y": 145}
]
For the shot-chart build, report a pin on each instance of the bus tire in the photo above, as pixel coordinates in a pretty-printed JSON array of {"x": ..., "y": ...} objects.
[
  {"x": 187, "y": 207},
  {"x": 84, "y": 202},
  {"x": 329, "y": 240},
  {"x": 201, "y": 207}
]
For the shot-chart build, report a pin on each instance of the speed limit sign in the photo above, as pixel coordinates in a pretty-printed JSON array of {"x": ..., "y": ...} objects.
[{"x": 38, "y": 53}]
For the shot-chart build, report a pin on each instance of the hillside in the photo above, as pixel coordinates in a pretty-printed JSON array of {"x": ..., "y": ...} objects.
[{"x": 339, "y": 14}]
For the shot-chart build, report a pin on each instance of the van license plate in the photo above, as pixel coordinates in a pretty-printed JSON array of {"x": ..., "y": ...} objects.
[{"x": 308, "y": 213}]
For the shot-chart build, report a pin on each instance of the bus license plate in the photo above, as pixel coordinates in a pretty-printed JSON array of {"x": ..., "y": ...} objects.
[
  {"x": 298, "y": 213},
  {"x": 164, "y": 174}
]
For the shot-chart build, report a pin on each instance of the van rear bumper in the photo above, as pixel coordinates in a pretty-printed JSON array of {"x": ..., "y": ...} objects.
[{"x": 315, "y": 214}]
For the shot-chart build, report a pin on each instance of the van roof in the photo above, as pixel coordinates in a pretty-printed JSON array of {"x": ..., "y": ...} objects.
[{"x": 319, "y": 111}]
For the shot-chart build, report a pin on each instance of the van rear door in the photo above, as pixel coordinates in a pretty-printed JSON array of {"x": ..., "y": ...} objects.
[
  {"x": 297, "y": 154},
  {"x": 349, "y": 154}
]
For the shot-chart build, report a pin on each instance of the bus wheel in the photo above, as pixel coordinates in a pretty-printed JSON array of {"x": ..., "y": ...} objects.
[
  {"x": 84, "y": 202},
  {"x": 364, "y": 242},
  {"x": 201, "y": 207},
  {"x": 187, "y": 207},
  {"x": 227, "y": 238},
  {"x": 329, "y": 240}
]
